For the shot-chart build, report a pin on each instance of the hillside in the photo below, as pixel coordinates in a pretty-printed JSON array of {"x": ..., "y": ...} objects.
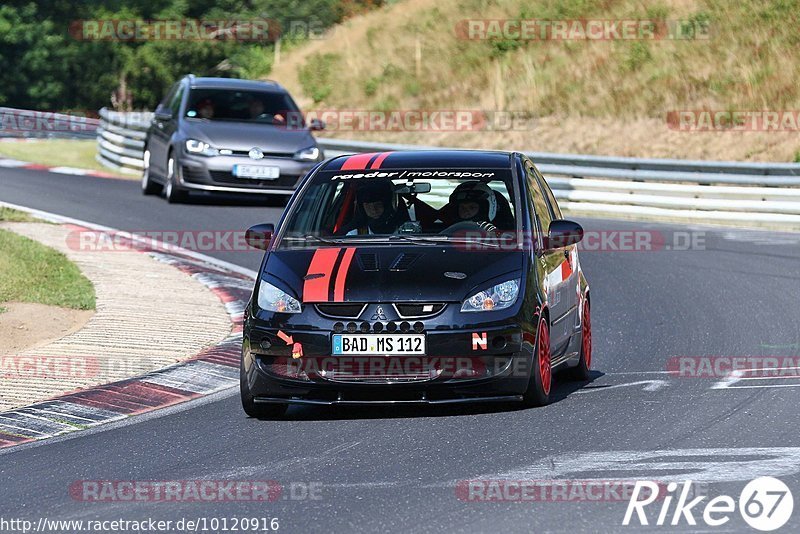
[{"x": 593, "y": 96}]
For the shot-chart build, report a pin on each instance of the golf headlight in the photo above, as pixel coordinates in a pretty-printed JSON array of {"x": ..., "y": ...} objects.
[
  {"x": 193, "y": 146},
  {"x": 307, "y": 154},
  {"x": 272, "y": 299},
  {"x": 497, "y": 297}
]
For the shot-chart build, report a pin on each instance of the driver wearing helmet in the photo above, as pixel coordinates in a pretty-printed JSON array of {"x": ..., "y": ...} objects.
[
  {"x": 475, "y": 202},
  {"x": 376, "y": 209}
]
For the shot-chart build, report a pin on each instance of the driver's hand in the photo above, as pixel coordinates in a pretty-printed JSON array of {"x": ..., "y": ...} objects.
[{"x": 488, "y": 227}]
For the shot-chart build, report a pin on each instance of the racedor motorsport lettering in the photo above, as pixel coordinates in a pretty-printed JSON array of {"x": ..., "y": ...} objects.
[{"x": 414, "y": 174}]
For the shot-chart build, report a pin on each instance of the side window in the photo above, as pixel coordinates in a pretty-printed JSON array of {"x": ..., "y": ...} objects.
[
  {"x": 539, "y": 202},
  {"x": 175, "y": 103},
  {"x": 555, "y": 211}
]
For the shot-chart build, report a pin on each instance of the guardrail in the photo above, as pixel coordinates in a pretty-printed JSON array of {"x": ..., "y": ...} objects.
[
  {"x": 28, "y": 124},
  {"x": 120, "y": 140},
  {"x": 717, "y": 191},
  {"x": 763, "y": 194}
]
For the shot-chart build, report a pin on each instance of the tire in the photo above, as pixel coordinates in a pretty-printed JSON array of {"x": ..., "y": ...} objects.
[
  {"x": 257, "y": 411},
  {"x": 149, "y": 187},
  {"x": 581, "y": 371},
  {"x": 541, "y": 380},
  {"x": 172, "y": 191}
]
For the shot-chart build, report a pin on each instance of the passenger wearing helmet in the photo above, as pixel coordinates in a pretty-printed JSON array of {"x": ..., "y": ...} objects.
[
  {"x": 376, "y": 209},
  {"x": 475, "y": 202}
]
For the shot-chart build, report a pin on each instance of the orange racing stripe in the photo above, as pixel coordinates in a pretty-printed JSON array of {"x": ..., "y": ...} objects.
[{"x": 316, "y": 289}]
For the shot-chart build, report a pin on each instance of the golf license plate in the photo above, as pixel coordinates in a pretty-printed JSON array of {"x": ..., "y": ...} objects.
[
  {"x": 378, "y": 344},
  {"x": 259, "y": 172}
]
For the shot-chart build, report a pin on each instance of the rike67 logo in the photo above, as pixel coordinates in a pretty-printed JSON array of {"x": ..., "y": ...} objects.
[{"x": 765, "y": 504}]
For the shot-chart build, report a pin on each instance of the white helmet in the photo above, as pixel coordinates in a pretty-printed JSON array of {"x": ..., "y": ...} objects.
[{"x": 479, "y": 193}]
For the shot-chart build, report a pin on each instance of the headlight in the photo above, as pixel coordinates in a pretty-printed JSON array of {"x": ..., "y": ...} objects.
[
  {"x": 199, "y": 147},
  {"x": 272, "y": 299},
  {"x": 496, "y": 297},
  {"x": 307, "y": 154}
]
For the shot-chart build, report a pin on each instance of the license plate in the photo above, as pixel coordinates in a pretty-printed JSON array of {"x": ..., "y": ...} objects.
[
  {"x": 378, "y": 344},
  {"x": 261, "y": 172}
]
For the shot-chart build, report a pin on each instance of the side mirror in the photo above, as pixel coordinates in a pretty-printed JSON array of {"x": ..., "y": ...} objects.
[
  {"x": 162, "y": 114},
  {"x": 259, "y": 236},
  {"x": 563, "y": 233},
  {"x": 316, "y": 125}
]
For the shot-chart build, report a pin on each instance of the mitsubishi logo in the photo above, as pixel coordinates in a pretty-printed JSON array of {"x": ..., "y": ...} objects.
[
  {"x": 255, "y": 153},
  {"x": 378, "y": 315}
]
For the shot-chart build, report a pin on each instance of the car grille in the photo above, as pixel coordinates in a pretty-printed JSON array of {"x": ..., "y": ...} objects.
[
  {"x": 287, "y": 155},
  {"x": 345, "y": 373},
  {"x": 418, "y": 310},
  {"x": 347, "y": 310},
  {"x": 284, "y": 181}
]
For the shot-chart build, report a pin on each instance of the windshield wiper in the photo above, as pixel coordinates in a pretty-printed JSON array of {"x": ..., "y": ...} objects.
[
  {"x": 414, "y": 239},
  {"x": 436, "y": 240},
  {"x": 316, "y": 238}
]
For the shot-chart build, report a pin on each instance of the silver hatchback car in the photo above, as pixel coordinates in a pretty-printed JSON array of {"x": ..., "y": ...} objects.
[{"x": 227, "y": 136}]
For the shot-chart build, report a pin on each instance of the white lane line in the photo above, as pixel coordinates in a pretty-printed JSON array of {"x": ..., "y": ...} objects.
[
  {"x": 70, "y": 170},
  {"x": 739, "y": 376},
  {"x": 671, "y": 465},
  {"x": 12, "y": 163},
  {"x": 649, "y": 385},
  {"x": 642, "y": 373}
]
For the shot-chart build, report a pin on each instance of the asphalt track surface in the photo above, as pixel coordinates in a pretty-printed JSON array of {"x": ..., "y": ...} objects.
[{"x": 397, "y": 469}]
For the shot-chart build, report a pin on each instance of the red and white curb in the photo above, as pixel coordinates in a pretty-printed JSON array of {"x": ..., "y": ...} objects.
[
  {"x": 211, "y": 371},
  {"x": 17, "y": 164}
]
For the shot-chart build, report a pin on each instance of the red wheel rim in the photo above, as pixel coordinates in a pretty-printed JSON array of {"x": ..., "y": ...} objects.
[
  {"x": 587, "y": 336},
  {"x": 545, "y": 370}
]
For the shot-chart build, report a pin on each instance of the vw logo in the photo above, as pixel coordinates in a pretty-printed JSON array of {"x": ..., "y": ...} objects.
[
  {"x": 378, "y": 315},
  {"x": 255, "y": 153}
]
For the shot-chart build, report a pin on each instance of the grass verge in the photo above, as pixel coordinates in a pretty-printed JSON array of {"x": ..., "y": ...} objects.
[
  {"x": 12, "y": 215},
  {"x": 32, "y": 272},
  {"x": 58, "y": 153}
]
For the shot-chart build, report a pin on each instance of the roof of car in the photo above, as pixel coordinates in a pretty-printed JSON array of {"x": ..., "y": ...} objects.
[
  {"x": 235, "y": 83},
  {"x": 427, "y": 159}
]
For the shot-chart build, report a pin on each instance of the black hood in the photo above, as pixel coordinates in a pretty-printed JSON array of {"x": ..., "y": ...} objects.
[{"x": 388, "y": 274}]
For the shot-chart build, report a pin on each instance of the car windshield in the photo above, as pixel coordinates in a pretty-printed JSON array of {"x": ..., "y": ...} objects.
[
  {"x": 415, "y": 205},
  {"x": 265, "y": 107}
]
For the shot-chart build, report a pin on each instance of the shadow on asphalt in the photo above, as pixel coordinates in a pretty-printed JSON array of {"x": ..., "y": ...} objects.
[
  {"x": 563, "y": 389},
  {"x": 234, "y": 199}
]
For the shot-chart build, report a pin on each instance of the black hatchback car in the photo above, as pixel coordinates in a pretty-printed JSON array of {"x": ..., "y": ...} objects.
[
  {"x": 416, "y": 277},
  {"x": 222, "y": 135}
]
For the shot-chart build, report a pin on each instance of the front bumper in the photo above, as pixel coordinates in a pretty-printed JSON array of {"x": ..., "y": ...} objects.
[
  {"x": 214, "y": 174},
  {"x": 497, "y": 373}
]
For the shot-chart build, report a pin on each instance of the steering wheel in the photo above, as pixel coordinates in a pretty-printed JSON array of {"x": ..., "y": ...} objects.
[{"x": 465, "y": 227}]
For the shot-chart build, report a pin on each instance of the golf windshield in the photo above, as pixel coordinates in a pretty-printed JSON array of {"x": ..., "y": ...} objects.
[{"x": 263, "y": 107}]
